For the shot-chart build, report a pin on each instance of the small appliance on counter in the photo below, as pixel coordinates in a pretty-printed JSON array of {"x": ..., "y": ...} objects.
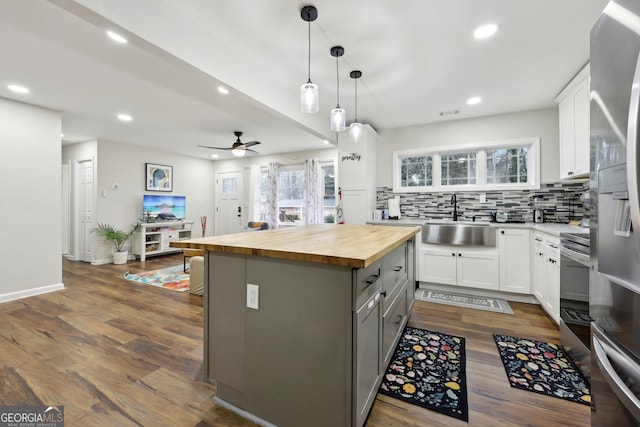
[
  {"x": 538, "y": 212},
  {"x": 538, "y": 216}
]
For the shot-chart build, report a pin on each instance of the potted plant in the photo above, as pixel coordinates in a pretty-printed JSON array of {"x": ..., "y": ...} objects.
[{"x": 118, "y": 238}]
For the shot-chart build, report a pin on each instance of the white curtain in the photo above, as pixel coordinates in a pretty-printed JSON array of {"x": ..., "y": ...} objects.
[
  {"x": 272, "y": 194},
  {"x": 254, "y": 193},
  {"x": 313, "y": 194}
]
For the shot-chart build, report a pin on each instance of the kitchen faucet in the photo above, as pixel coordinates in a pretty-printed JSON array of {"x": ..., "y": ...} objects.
[{"x": 454, "y": 202}]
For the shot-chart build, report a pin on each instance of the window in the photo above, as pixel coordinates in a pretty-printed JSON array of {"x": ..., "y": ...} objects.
[
  {"x": 417, "y": 171},
  {"x": 291, "y": 194},
  {"x": 458, "y": 169},
  {"x": 500, "y": 165},
  {"x": 507, "y": 165}
]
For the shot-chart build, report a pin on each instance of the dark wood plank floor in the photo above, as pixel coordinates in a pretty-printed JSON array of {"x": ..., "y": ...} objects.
[{"x": 115, "y": 353}]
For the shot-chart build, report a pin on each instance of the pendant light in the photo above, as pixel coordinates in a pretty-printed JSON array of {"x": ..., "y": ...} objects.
[
  {"x": 355, "y": 129},
  {"x": 338, "y": 115},
  {"x": 309, "y": 96}
]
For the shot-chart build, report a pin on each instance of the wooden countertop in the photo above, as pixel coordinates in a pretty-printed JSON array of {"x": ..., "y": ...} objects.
[{"x": 355, "y": 246}]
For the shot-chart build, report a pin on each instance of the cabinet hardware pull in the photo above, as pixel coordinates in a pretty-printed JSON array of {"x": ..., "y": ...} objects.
[
  {"x": 459, "y": 254},
  {"x": 397, "y": 268},
  {"x": 453, "y": 254},
  {"x": 538, "y": 240},
  {"x": 372, "y": 279},
  {"x": 569, "y": 173},
  {"x": 501, "y": 231},
  {"x": 554, "y": 246},
  {"x": 384, "y": 294}
]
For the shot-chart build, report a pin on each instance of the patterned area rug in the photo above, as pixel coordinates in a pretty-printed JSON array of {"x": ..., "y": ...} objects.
[
  {"x": 428, "y": 369},
  {"x": 543, "y": 368},
  {"x": 496, "y": 305},
  {"x": 173, "y": 278}
]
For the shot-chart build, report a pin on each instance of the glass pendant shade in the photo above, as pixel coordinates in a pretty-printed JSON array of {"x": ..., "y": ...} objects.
[
  {"x": 338, "y": 119},
  {"x": 309, "y": 98},
  {"x": 238, "y": 152},
  {"x": 355, "y": 129}
]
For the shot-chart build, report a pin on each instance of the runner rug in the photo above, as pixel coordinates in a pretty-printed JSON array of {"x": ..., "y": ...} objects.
[
  {"x": 542, "y": 367},
  {"x": 173, "y": 278},
  {"x": 497, "y": 305},
  {"x": 428, "y": 369}
]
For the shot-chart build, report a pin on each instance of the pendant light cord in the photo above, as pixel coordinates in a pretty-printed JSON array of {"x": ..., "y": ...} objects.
[
  {"x": 356, "y": 109},
  {"x": 338, "y": 83},
  {"x": 309, "y": 60}
]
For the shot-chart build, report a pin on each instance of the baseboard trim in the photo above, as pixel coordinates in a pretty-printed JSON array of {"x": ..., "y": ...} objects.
[
  {"x": 102, "y": 261},
  {"x": 12, "y": 296}
]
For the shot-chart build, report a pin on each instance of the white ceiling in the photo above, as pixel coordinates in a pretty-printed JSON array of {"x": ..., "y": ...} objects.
[{"x": 418, "y": 58}]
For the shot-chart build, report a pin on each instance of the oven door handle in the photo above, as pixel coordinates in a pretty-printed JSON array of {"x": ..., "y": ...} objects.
[
  {"x": 632, "y": 152},
  {"x": 604, "y": 352}
]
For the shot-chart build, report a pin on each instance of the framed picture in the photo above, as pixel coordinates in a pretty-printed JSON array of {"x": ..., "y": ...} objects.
[{"x": 159, "y": 177}]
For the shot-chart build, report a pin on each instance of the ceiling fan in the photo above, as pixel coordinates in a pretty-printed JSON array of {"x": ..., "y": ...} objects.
[{"x": 238, "y": 148}]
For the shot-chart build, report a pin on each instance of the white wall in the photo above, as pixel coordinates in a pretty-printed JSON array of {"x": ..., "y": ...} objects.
[
  {"x": 124, "y": 165},
  {"x": 31, "y": 208},
  {"x": 537, "y": 123}
]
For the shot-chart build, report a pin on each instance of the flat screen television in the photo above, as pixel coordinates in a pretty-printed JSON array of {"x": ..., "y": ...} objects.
[{"x": 164, "y": 208}]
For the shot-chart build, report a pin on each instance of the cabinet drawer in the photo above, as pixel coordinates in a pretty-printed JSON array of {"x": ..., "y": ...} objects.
[
  {"x": 394, "y": 273},
  {"x": 392, "y": 322},
  {"x": 366, "y": 282}
]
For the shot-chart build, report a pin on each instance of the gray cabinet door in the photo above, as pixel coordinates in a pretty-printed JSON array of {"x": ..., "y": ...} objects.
[{"x": 367, "y": 338}]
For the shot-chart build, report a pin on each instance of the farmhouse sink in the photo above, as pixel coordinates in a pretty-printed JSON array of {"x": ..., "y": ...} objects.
[{"x": 459, "y": 234}]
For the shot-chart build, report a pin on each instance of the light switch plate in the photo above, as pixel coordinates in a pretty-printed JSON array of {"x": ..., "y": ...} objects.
[{"x": 253, "y": 296}]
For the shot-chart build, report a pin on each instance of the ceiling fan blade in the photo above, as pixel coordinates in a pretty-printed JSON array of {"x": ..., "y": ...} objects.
[
  {"x": 252, "y": 151},
  {"x": 250, "y": 143},
  {"x": 215, "y": 148}
]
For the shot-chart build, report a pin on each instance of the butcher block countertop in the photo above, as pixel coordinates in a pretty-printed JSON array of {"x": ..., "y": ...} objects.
[{"x": 356, "y": 246}]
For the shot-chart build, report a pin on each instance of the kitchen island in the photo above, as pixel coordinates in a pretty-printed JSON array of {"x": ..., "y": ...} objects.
[{"x": 301, "y": 322}]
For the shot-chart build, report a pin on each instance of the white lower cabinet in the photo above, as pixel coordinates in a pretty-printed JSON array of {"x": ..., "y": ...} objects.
[
  {"x": 546, "y": 273},
  {"x": 450, "y": 265},
  {"x": 515, "y": 260}
]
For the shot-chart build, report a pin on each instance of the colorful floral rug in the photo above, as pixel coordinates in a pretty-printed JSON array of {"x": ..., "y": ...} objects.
[
  {"x": 173, "y": 278},
  {"x": 428, "y": 369},
  {"x": 543, "y": 368}
]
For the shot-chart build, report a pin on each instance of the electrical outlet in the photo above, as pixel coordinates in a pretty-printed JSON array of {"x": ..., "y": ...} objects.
[
  {"x": 253, "y": 296},
  {"x": 483, "y": 198}
]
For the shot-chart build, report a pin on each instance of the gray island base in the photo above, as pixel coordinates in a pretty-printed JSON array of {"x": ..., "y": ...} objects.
[{"x": 300, "y": 324}]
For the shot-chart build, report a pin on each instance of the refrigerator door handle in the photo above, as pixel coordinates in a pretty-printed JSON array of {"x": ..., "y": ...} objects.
[
  {"x": 632, "y": 153},
  {"x": 604, "y": 352}
]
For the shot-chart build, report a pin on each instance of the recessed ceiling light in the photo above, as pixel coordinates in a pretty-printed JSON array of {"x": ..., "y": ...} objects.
[
  {"x": 125, "y": 117},
  {"x": 215, "y": 156},
  {"x": 474, "y": 100},
  {"x": 116, "y": 37},
  {"x": 18, "y": 88},
  {"x": 485, "y": 31},
  {"x": 62, "y": 135},
  {"x": 223, "y": 90},
  {"x": 326, "y": 141}
]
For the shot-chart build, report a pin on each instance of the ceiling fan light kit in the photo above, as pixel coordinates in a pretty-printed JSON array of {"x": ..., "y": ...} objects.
[
  {"x": 338, "y": 115},
  {"x": 309, "y": 95},
  {"x": 239, "y": 148}
]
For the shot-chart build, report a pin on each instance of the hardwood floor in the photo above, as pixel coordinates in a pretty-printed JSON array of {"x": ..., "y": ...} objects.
[{"x": 116, "y": 353}]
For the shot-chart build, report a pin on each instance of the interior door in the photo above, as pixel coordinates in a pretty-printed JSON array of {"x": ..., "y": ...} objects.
[{"x": 229, "y": 214}]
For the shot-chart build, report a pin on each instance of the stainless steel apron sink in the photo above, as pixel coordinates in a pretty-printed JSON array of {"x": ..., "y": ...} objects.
[{"x": 465, "y": 234}]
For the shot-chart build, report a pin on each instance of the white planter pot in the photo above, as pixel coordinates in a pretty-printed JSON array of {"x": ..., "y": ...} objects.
[{"x": 120, "y": 257}]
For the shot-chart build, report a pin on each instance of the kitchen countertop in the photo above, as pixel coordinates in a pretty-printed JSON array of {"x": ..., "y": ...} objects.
[
  {"x": 355, "y": 246},
  {"x": 547, "y": 227}
]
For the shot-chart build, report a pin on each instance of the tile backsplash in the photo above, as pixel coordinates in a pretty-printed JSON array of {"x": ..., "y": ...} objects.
[{"x": 560, "y": 201}]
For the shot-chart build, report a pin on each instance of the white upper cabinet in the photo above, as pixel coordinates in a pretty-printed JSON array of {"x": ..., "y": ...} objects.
[{"x": 574, "y": 127}]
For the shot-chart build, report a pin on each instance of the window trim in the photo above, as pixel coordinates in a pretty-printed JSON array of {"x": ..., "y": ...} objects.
[{"x": 533, "y": 166}]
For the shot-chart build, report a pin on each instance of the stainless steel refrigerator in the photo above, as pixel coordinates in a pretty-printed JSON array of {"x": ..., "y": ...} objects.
[{"x": 614, "y": 279}]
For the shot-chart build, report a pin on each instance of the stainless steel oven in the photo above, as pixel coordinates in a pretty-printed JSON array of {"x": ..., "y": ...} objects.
[{"x": 574, "y": 299}]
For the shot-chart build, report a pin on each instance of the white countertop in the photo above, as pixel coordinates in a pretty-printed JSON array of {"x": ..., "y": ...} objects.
[{"x": 546, "y": 227}]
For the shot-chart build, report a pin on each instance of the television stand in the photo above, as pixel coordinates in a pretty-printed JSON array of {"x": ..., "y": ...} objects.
[{"x": 154, "y": 238}]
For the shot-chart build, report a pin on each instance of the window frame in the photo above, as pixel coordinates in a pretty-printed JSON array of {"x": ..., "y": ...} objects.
[{"x": 480, "y": 148}]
